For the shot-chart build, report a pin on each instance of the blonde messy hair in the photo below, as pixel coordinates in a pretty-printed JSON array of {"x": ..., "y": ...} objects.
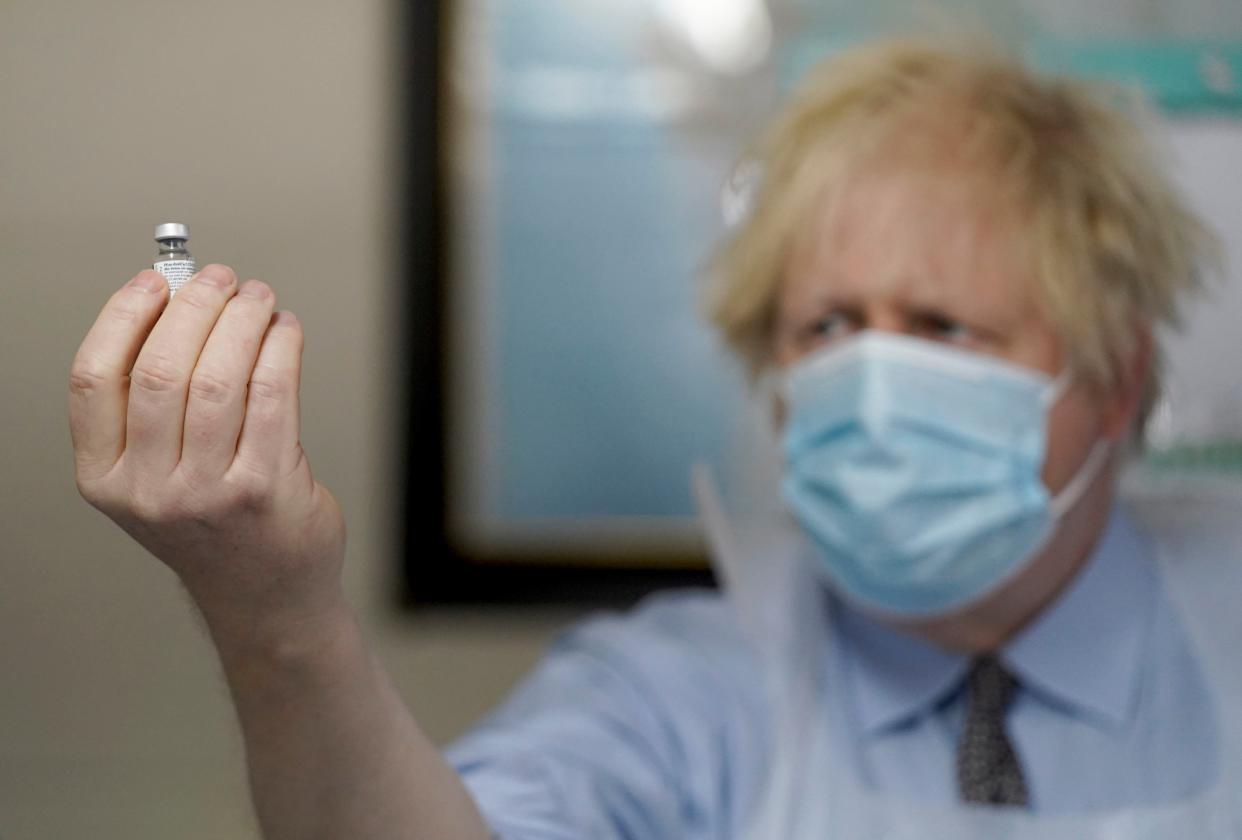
[{"x": 1111, "y": 246}]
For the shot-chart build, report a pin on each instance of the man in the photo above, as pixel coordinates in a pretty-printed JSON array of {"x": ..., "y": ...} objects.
[{"x": 956, "y": 269}]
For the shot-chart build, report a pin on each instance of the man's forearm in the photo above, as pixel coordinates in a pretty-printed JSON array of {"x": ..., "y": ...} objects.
[{"x": 332, "y": 751}]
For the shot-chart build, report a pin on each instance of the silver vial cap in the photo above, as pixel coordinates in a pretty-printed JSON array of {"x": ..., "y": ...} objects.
[{"x": 171, "y": 230}]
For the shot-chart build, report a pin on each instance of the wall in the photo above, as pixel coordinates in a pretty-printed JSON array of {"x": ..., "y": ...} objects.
[{"x": 266, "y": 127}]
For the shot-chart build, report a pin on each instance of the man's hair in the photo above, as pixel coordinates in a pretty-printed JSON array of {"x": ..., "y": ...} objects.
[{"x": 1112, "y": 247}]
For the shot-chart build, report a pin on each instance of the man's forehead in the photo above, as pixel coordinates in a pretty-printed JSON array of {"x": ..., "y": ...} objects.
[{"x": 924, "y": 237}]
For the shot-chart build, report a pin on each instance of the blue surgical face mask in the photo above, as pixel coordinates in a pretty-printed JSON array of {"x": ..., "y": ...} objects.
[{"x": 915, "y": 467}]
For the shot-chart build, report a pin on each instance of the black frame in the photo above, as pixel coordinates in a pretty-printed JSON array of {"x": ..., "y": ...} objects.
[{"x": 434, "y": 570}]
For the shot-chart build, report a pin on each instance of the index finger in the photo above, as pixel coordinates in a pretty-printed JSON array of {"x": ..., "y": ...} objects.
[{"x": 99, "y": 377}]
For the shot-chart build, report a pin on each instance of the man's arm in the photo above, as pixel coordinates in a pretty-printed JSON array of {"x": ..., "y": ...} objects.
[
  {"x": 331, "y": 748},
  {"x": 186, "y": 433}
]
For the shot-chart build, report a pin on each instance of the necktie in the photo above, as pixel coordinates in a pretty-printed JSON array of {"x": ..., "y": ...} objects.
[{"x": 988, "y": 771}]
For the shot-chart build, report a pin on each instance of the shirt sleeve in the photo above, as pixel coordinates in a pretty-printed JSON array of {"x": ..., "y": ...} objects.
[{"x": 648, "y": 725}]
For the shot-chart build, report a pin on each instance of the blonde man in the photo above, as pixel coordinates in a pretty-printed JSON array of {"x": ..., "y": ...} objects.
[{"x": 956, "y": 268}]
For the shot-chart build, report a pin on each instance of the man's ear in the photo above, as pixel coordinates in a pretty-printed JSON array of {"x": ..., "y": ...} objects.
[{"x": 1127, "y": 398}]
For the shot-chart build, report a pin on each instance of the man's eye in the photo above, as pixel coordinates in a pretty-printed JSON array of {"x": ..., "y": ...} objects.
[
  {"x": 943, "y": 328},
  {"x": 832, "y": 325}
]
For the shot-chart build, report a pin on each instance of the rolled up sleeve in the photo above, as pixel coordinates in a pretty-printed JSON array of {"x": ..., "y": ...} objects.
[{"x": 648, "y": 725}]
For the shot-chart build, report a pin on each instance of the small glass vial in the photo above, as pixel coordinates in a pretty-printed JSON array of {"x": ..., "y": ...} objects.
[{"x": 173, "y": 260}]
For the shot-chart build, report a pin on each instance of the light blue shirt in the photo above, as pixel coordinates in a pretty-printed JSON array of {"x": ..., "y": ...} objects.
[{"x": 654, "y": 725}]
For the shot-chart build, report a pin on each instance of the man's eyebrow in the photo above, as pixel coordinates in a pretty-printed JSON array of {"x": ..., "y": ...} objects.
[
  {"x": 821, "y": 304},
  {"x": 830, "y": 299}
]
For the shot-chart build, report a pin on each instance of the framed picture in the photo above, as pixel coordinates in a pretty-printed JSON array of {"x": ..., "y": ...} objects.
[{"x": 563, "y": 381}]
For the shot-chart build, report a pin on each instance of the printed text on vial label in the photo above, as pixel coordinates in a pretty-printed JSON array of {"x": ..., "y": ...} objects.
[{"x": 176, "y": 272}]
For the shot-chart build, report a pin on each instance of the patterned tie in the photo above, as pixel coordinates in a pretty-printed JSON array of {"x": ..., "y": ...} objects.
[{"x": 988, "y": 771}]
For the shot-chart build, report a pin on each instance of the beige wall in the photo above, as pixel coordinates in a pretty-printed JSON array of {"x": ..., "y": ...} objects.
[{"x": 265, "y": 126}]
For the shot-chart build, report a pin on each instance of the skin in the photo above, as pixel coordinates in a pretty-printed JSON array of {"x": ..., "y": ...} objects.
[
  {"x": 925, "y": 251},
  {"x": 184, "y": 419}
]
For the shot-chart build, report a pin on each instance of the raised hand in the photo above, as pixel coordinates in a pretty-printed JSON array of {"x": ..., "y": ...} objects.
[{"x": 184, "y": 418}]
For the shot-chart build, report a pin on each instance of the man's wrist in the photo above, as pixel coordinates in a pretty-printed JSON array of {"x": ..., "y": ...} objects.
[{"x": 291, "y": 636}]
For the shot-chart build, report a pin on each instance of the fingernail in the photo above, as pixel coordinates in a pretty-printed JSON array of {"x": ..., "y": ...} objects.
[
  {"x": 285, "y": 318},
  {"x": 147, "y": 281},
  {"x": 215, "y": 275},
  {"x": 254, "y": 289}
]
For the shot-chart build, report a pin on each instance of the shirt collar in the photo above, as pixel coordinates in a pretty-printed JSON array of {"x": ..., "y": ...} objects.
[
  {"x": 892, "y": 676},
  {"x": 1084, "y": 652}
]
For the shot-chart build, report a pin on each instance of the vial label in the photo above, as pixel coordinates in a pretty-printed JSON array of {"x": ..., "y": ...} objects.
[{"x": 176, "y": 272}]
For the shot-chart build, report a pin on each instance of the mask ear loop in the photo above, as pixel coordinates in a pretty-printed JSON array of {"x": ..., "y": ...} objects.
[
  {"x": 1071, "y": 493},
  {"x": 1057, "y": 388}
]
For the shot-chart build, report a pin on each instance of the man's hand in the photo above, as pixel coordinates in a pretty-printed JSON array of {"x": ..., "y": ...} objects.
[{"x": 185, "y": 432}]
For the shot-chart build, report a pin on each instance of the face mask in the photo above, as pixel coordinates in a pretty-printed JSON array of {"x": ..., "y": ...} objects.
[{"x": 915, "y": 469}]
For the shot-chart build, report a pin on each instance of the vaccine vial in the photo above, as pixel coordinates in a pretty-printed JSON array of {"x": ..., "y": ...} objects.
[{"x": 173, "y": 260}]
